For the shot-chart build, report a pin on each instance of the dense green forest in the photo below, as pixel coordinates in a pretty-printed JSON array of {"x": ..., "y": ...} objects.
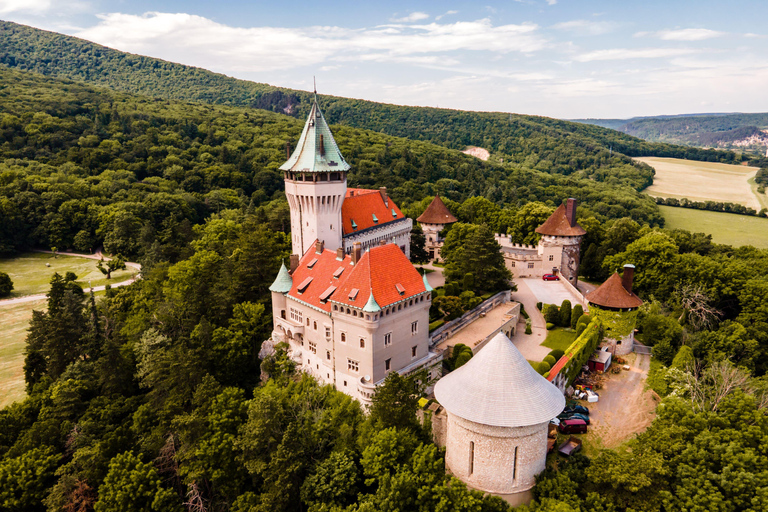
[
  {"x": 533, "y": 142},
  {"x": 84, "y": 167}
]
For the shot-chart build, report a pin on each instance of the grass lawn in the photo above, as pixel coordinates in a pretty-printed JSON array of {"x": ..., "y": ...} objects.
[
  {"x": 702, "y": 181},
  {"x": 725, "y": 228},
  {"x": 30, "y": 275},
  {"x": 13, "y": 333},
  {"x": 559, "y": 338}
]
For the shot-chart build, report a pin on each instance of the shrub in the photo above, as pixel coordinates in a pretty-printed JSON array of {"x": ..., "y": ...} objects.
[
  {"x": 434, "y": 325},
  {"x": 557, "y": 354},
  {"x": 565, "y": 314},
  {"x": 551, "y": 360},
  {"x": 538, "y": 306},
  {"x": 582, "y": 324},
  {"x": 543, "y": 367},
  {"x": 459, "y": 356},
  {"x": 551, "y": 315},
  {"x": 664, "y": 352},
  {"x": 683, "y": 358},
  {"x": 523, "y": 312},
  {"x": 528, "y": 329},
  {"x": 6, "y": 285},
  {"x": 550, "y": 326},
  {"x": 576, "y": 313},
  {"x": 469, "y": 281}
]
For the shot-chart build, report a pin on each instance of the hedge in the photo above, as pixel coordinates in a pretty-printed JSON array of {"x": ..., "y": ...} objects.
[
  {"x": 437, "y": 323},
  {"x": 550, "y": 326},
  {"x": 581, "y": 349}
]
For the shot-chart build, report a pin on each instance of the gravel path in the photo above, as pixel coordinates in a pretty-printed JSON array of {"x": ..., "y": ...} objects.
[
  {"x": 96, "y": 256},
  {"x": 530, "y": 344}
]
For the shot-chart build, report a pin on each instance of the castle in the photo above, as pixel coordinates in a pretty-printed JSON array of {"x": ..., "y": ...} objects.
[{"x": 352, "y": 307}]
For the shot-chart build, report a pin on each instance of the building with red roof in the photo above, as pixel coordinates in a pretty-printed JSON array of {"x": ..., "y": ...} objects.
[
  {"x": 432, "y": 221},
  {"x": 616, "y": 305},
  {"x": 351, "y": 307}
]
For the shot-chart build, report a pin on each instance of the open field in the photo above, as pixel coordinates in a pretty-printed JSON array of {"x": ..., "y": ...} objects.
[
  {"x": 725, "y": 228},
  {"x": 30, "y": 275},
  {"x": 703, "y": 181},
  {"x": 13, "y": 332}
]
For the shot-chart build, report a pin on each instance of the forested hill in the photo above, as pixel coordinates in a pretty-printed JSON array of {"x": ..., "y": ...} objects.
[
  {"x": 82, "y": 166},
  {"x": 744, "y": 132},
  {"x": 534, "y": 142}
]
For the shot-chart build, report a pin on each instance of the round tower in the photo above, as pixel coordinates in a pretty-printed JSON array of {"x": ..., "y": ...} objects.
[
  {"x": 315, "y": 185},
  {"x": 560, "y": 244},
  {"x": 498, "y": 408},
  {"x": 614, "y": 303},
  {"x": 432, "y": 222},
  {"x": 282, "y": 285}
]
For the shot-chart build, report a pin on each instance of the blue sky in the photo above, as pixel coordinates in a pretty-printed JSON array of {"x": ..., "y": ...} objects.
[{"x": 558, "y": 58}]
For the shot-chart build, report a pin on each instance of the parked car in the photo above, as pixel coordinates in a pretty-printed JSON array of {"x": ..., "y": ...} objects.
[
  {"x": 572, "y": 426},
  {"x": 573, "y": 415},
  {"x": 550, "y": 277},
  {"x": 576, "y": 408}
]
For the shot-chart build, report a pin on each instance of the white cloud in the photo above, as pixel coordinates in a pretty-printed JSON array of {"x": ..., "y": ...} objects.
[
  {"x": 35, "y": 6},
  {"x": 447, "y": 13},
  {"x": 641, "y": 53},
  {"x": 414, "y": 16},
  {"x": 593, "y": 28},
  {"x": 199, "y": 41},
  {"x": 684, "y": 34},
  {"x": 551, "y": 2}
]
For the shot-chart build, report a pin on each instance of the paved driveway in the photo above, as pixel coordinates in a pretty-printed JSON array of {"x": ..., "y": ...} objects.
[{"x": 549, "y": 292}]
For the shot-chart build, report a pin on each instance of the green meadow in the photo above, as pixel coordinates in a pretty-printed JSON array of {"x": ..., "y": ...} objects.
[{"x": 725, "y": 228}]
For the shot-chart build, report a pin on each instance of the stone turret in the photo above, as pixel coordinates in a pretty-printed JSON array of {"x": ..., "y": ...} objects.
[
  {"x": 615, "y": 304},
  {"x": 432, "y": 221},
  {"x": 560, "y": 244}
]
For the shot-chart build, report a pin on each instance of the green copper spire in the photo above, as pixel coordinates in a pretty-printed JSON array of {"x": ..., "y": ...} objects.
[
  {"x": 426, "y": 283},
  {"x": 371, "y": 306},
  {"x": 317, "y": 150},
  {"x": 283, "y": 281}
]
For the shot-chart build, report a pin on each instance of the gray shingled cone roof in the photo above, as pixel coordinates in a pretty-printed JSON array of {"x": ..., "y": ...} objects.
[{"x": 498, "y": 387}]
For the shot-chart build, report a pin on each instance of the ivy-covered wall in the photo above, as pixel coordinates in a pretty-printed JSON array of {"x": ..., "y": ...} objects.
[
  {"x": 616, "y": 324},
  {"x": 579, "y": 351}
]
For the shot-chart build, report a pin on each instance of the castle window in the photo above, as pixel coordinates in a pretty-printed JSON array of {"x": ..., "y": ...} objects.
[
  {"x": 530, "y": 265},
  {"x": 343, "y": 337},
  {"x": 388, "y": 339},
  {"x": 512, "y": 264},
  {"x": 328, "y": 332},
  {"x": 514, "y": 465},
  {"x": 315, "y": 325},
  {"x": 307, "y": 322},
  {"x": 352, "y": 365},
  {"x": 297, "y": 315},
  {"x": 414, "y": 327},
  {"x": 413, "y": 352},
  {"x": 388, "y": 364},
  {"x": 354, "y": 313},
  {"x": 362, "y": 342},
  {"x": 328, "y": 355},
  {"x": 472, "y": 457},
  {"x": 551, "y": 257},
  {"x": 313, "y": 347}
]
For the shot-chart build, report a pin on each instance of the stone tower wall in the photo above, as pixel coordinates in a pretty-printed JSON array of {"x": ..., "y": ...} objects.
[{"x": 505, "y": 460}]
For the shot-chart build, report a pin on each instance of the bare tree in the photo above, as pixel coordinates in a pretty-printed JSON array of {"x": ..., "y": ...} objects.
[
  {"x": 697, "y": 307},
  {"x": 710, "y": 386},
  {"x": 195, "y": 502}
]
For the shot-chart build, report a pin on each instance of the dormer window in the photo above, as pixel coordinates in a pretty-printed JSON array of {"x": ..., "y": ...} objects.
[
  {"x": 400, "y": 289},
  {"x": 353, "y": 294},
  {"x": 327, "y": 293},
  {"x": 338, "y": 272},
  {"x": 304, "y": 284},
  {"x": 312, "y": 263}
]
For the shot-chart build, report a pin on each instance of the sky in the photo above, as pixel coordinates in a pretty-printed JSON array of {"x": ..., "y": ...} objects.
[{"x": 558, "y": 58}]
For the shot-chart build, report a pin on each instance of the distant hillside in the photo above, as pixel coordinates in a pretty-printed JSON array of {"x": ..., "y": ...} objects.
[
  {"x": 549, "y": 145},
  {"x": 741, "y": 132}
]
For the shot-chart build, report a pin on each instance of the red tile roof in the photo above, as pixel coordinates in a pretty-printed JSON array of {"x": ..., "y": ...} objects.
[
  {"x": 380, "y": 269},
  {"x": 436, "y": 213},
  {"x": 559, "y": 365},
  {"x": 360, "y": 205},
  {"x": 612, "y": 294},
  {"x": 557, "y": 225}
]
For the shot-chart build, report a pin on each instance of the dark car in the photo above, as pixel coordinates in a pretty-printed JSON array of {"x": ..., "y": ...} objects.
[
  {"x": 573, "y": 426},
  {"x": 577, "y": 416},
  {"x": 550, "y": 277},
  {"x": 576, "y": 408}
]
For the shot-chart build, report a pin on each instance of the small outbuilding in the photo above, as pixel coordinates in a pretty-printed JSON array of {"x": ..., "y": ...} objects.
[
  {"x": 498, "y": 410},
  {"x": 599, "y": 361}
]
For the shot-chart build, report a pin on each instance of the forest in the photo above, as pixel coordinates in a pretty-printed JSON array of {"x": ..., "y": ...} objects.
[{"x": 154, "y": 397}]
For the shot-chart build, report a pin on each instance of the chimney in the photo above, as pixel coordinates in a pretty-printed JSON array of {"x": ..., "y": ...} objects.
[
  {"x": 294, "y": 262},
  {"x": 322, "y": 146},
  {"x": 340, "y": 253},
  {"x": 319, "y": 246},
  {"x": 383, "y": 192},
  {"x": 570, "y": 211},
  {"x": 357, "y": 249},
  {"x": 351, "y": 193},
  {"x": 287, "y": 150},
  {"x": 627, "y": 277}
]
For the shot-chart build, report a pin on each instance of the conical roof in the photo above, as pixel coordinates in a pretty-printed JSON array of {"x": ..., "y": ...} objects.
[
  {"x": 499, "y": 387},
  {"x": 317, "y": 150},
  {"x": 558, "y": 225},
  {"x": 283, "y": 281},
  {"x": 612, "y": 294},
  {"x": 436, "y": 213},
  {"x": 371, "y": 306}
]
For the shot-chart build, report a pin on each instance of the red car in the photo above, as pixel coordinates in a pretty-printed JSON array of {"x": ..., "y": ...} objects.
[
  {"x": 573, "y": 426},
  {"x": 550, "y": 277}
]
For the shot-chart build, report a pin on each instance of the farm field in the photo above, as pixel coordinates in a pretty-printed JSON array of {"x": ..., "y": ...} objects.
[
  {"x": 703, "y": 181},
  {"x": 13, "y": 333},
  {"x": 31, "y": 276},
  {"x": 725, "y": 228}
]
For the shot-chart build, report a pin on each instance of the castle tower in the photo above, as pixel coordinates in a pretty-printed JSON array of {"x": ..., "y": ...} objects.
[
  {"x": 432, "y": 221},
  {"x": 315, "y": 185},
  {"x": 614, "y": 303},
  {"x": 561, "y": 241},
  {"x": 498, "y": 411}
]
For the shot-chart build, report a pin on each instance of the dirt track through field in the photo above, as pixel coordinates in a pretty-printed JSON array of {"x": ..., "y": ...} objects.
[{"x": 702, "y": 181}]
